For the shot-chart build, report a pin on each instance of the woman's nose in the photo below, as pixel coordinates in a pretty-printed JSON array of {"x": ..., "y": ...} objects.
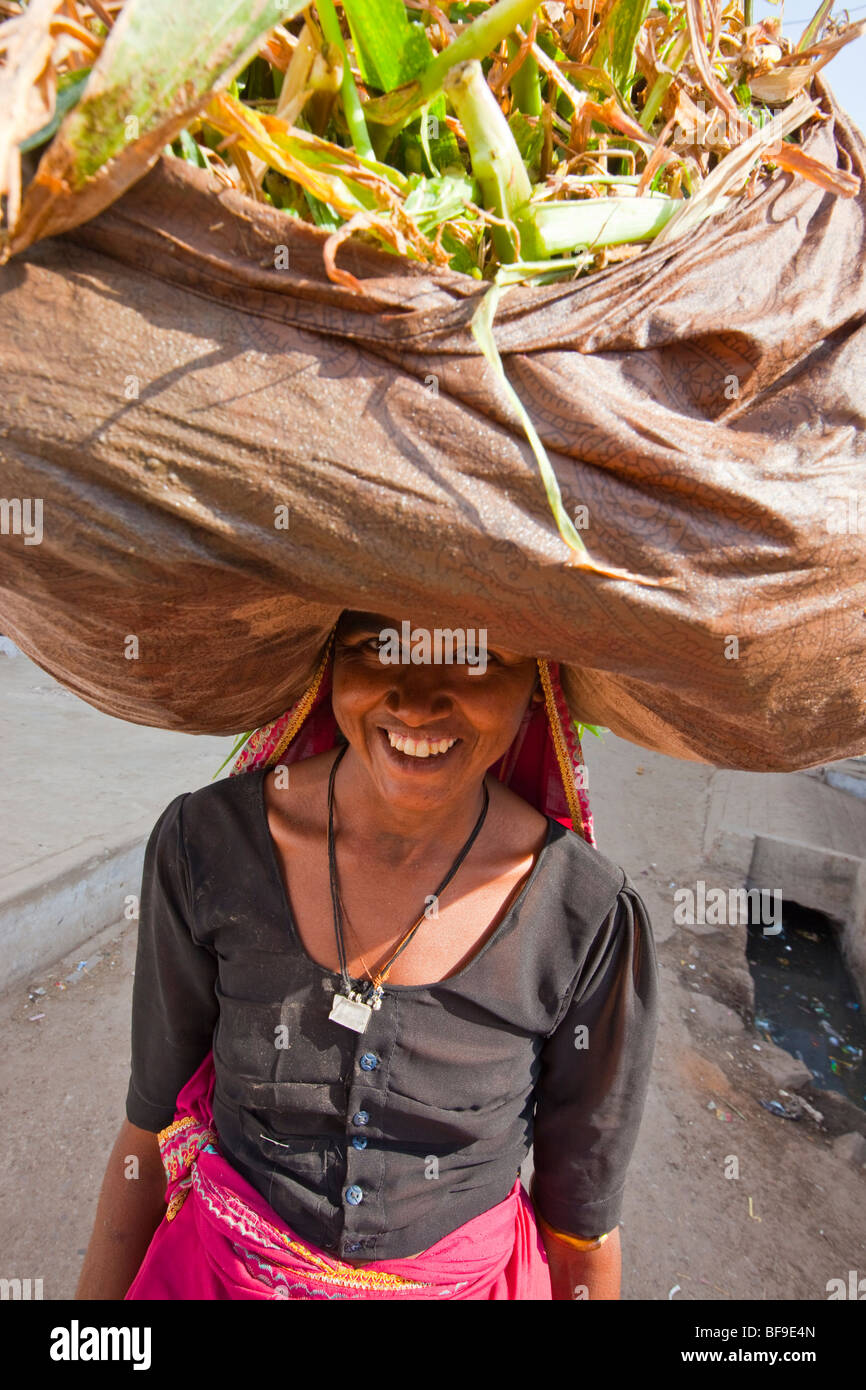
[{"x": 417, "y": 693}]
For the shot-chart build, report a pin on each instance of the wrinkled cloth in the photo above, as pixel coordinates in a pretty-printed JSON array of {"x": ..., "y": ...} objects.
[
  {"x": 220, "y": 1240},
  {"x": 229, "y": 453}
]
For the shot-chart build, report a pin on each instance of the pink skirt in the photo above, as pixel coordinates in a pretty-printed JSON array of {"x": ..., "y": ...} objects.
[{"x": 219, "y": 1239}]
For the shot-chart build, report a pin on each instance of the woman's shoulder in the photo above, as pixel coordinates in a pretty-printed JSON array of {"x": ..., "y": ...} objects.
[
  {"x": 229, "y": 802},
  {"x": 572, "y": 847},
  {"x": 584, "y": 881}
]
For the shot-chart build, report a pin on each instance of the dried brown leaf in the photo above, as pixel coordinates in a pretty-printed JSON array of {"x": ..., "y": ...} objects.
[{"x": 797, "y": 161}]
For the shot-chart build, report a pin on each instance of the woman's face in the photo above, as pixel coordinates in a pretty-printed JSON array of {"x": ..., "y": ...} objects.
[{"x": 426, "y": 732}]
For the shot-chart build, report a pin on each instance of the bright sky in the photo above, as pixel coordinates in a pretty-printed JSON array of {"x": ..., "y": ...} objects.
[{"x": 845, "y": 71}]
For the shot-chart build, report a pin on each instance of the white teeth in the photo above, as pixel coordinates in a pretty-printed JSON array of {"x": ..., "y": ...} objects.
[{"x": 420, "y": 748}]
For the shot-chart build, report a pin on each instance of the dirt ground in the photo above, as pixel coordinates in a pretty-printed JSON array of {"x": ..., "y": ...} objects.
[{"x": 793, "y": 1218}]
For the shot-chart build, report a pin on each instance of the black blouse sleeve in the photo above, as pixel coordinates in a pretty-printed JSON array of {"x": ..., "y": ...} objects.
[
  {"x": 595, "y": 1069},
  {"x": 174, "y": 1004}
]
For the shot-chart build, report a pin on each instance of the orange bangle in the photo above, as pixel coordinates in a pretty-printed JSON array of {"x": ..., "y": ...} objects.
[{"x": 577, "y": 1242}]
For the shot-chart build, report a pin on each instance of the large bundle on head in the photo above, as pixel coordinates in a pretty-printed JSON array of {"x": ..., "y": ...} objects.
[{"x": 541, "y": 319}]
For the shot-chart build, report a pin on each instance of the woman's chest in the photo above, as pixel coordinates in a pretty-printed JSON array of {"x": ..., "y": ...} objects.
[{"x": 384, "y": 910}]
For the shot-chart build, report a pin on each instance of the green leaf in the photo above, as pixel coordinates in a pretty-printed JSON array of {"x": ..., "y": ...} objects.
[
  {"x": 437, "y": 200},
  {"x": 322, "y": 215},
  {"x": 159, "y": 66},
  {"x": 597, "y": 729},
  {"x": 547, "y": 272},
  {"x": 389, "y": 49},
  {"x": 68, "y": 93},
  {"x": 161, "y": 58},
  {"x": 529, "y": 139},
  {"x": 482, "y": 331},
  {"x": 617, "y": 38},
  {"x": 234, "y": 752},
  {"x": 191, "y": 151},
  {"x": 477, "y": 40},
  {"x": 815, "y": 25},
  {"x": 426, "y": 145},
  {"x": 481, "y": 324},
  {"x": 461, "y": 257},
  {"x": 256, "y": 82}
]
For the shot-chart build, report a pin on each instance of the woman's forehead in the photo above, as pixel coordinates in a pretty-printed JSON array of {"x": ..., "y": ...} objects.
[{"x": 355, "y": 621}]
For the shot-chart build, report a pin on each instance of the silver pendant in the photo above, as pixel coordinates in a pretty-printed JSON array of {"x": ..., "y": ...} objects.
[{"x": 350, "y": 1012}]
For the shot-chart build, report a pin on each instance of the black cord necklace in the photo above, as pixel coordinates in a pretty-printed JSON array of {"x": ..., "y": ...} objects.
[{"x": 354, "y": 1007}]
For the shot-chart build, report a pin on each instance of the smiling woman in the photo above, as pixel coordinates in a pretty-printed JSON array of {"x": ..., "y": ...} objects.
[{"x": 375, "y": 966}]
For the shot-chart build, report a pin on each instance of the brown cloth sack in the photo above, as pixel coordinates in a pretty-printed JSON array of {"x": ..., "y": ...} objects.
[{"x": 168, "y": 388}]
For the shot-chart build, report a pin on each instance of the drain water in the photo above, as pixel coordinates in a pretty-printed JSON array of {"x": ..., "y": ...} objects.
[{"x": 805, "y": 1000}]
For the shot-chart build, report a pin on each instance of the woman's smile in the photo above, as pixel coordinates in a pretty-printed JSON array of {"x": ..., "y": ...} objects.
[{"x": 415, "y": 751}]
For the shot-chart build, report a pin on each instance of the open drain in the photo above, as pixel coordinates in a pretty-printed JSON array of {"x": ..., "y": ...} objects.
[{"x": 806, "y": 1002}]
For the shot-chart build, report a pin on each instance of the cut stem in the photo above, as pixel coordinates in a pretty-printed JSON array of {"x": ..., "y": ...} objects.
[
  {"x": 479, "y": 39},
  {"x": 558, "y": 227}
]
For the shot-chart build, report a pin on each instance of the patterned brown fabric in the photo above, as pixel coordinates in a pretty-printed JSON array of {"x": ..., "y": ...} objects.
[{"x": 166, "y": 387}]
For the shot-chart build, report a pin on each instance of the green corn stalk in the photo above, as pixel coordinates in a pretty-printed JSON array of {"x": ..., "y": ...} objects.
[
  {"x": 496, "y": 161},
  {"x": 477, "y": 41},
  {"x": 544, "y": 229},
  {"x": 352, "y": 108},
  {"x": 525, "y": 84}
]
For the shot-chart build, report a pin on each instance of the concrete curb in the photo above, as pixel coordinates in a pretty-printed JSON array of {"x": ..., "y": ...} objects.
[{"x": 48, "y": 919}]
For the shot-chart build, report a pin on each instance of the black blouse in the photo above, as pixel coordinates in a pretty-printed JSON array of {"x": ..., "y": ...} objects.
[{"x": 376, "y": 1145}]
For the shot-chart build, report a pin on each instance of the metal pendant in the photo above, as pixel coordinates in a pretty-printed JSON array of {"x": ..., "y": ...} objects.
[{"x": 350, "y": 1012}]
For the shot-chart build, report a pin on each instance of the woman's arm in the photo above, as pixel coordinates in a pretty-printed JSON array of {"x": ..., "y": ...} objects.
[
  {"x": 593, "y": 1080},
  {"x": 583, "y": 1274},
  {"x": 131, "y": 1206}
]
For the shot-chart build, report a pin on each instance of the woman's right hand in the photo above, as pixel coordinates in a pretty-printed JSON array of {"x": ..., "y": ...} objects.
[{"x": 131, "y": 1206}]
